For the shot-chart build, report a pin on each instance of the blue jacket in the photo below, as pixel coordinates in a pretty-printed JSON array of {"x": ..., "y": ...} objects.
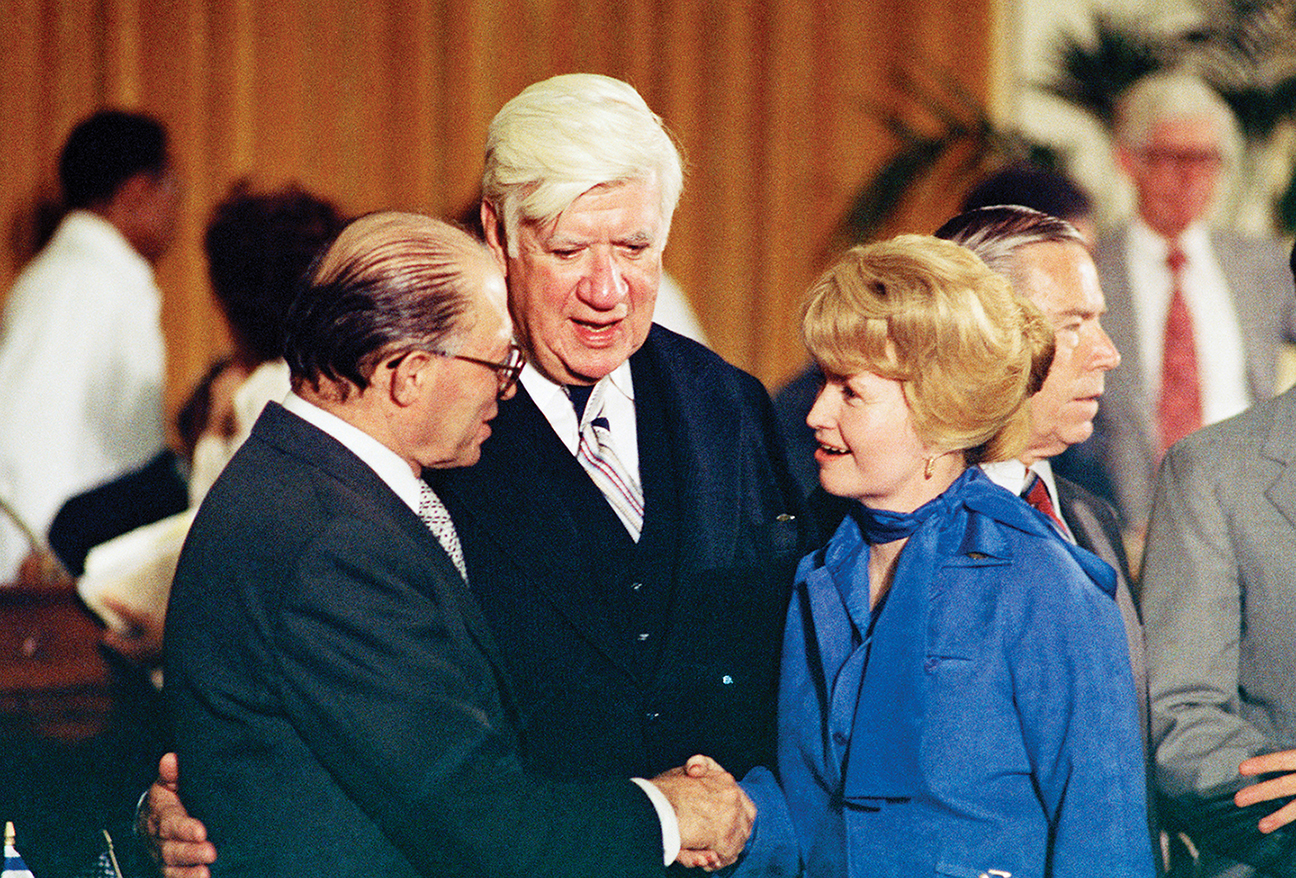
[{"x": 983, "y": 724}]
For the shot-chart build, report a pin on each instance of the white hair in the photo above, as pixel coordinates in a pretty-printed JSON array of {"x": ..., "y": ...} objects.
[
  {"x": 1171, "y": 95},
  {"x": 563, "y": 136}
]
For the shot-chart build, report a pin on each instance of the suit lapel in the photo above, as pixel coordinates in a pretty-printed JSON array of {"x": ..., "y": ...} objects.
[
  {"x": 516, "y": 484},
  {"x": 294, "y": 436},
  {"x": 708, "y": 505},
  {"x": 1278, "y": 447}
]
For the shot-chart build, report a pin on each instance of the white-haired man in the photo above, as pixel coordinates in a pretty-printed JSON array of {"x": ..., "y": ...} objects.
[
  {"x": 1197, "y": 313},
  {"x": 642, "y": 618}
]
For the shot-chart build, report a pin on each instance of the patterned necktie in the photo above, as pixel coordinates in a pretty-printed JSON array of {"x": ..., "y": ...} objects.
[
  {"x": 599, "y": 458},
  {"x": 437, "y": 519},
  {"x": 1037, "y": 495},
  {"x": 1179, "y": 411}
]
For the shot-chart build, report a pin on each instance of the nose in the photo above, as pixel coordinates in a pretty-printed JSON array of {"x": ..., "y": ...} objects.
[
  {"x": 819, "y": 417},
  {"x": 603, "y": 287},
  {"x": 1106, "y": 357}
]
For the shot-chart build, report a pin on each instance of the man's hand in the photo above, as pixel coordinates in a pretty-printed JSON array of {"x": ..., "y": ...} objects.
[
  {"x": 1283, "y": 763},
  {"x": 715, "y": 816},
  {"x": 177, "y": 841}
]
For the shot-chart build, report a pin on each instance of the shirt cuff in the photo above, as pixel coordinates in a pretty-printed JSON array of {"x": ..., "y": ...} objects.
[{"x": 666, "y": 815}]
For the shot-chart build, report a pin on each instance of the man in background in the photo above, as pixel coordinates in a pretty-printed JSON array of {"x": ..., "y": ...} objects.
[
  {"x": 1048, "y": 263},
  {"x": 1198, "y": 313},
  {"x": 82, "y": 359},
  {"x": 1219, "y": 603}
]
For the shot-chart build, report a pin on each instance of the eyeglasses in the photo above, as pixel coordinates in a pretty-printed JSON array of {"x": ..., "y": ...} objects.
[
  {"x": 506, "y": 373},
  {"x": 1183, "y": 159}
]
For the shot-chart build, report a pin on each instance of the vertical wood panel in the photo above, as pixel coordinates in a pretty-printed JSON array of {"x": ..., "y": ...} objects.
[{"x": 386, "y": 104}]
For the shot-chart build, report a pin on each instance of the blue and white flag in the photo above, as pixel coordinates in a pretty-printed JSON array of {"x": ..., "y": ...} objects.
[{"x": 14, "y": 867}]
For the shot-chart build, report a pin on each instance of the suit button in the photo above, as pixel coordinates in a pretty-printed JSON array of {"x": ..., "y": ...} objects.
[
  {"x": 727, "y": 680},
  {"x": 841, "y": 738}
]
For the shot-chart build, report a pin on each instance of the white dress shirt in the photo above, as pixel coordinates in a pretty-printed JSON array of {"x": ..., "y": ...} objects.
[
  {"x": 82, "y": 366},
  {"x": 1221, "y": 362},
  {"x": 618, "y": 408}
]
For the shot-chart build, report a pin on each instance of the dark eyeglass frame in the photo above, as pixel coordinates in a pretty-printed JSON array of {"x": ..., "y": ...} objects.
[{"x": 506, "y": 373}]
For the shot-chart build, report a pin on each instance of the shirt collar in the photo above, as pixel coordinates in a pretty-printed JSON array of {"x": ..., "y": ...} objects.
[
  {"x": 1194, "y": 240},
  {"x": 552, "y": 400},
  {"x": 542, "y": 390},
  {"x": 1014, "y": 476},
  {"x": 387, "y": 464}
]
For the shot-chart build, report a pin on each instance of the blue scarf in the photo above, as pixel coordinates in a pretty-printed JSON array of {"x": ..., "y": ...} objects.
[{"x": 883, "y": 526}]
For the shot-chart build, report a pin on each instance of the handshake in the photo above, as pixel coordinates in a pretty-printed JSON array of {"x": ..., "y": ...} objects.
[{"x": 715, "y": 816}]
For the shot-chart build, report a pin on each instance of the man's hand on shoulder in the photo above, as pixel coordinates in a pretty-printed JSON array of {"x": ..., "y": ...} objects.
[
  {"x": 715, "y": 816},
  {"x": 177, "y": 841}
]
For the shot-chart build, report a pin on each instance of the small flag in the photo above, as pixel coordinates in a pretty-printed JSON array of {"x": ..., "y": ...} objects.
[
  {"x": 14, "y": 867},
  {"x": 104, "y": 867}
]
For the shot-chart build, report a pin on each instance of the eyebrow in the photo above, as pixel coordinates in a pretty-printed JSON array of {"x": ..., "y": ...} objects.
[{"x": 560, "y": 242}]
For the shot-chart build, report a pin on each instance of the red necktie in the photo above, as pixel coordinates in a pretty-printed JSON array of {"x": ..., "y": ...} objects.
[
  {"x": 1180, "y": 410},
  {"x": 1038, "y": 496}
]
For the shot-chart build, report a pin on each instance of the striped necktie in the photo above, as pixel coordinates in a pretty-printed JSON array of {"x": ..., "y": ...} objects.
[
  {"x": 437, "y": 518},
  {"x": 597, "y": 455}
]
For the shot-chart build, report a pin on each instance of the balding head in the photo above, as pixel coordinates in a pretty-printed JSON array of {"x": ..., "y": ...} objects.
[{"x": 390, "y": 280}]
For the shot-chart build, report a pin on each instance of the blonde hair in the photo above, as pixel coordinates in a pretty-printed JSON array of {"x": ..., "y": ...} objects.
[
  {"x": 928, "y": 313},
  {"x": 565, "y": 135}
]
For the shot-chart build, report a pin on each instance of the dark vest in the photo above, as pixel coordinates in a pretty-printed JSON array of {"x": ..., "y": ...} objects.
[{"x": 628, "y": 658}]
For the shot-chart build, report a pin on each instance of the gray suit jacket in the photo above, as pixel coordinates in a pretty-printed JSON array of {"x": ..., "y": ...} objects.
[
  {"x": 1124, "y": 447},
  {"x": 1219, "y": 604}
]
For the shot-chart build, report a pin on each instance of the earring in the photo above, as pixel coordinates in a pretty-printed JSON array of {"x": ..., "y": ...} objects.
[{"x": 927, "y": 471}]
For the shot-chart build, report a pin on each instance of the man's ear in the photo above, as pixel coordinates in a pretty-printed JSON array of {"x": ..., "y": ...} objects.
[
  {"x": 493, "y": 226},
  {"x": 409, "y": 380}
]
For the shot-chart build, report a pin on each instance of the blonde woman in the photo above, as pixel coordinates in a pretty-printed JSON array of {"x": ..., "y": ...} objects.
[{"x": 956, "y": 696}]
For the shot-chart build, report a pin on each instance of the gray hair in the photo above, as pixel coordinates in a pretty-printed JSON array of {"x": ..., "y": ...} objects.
[
  {"x": 997, "y": 234},
  {"x": 1170, "y": 95},
  {"x": 563, "y": 136}
]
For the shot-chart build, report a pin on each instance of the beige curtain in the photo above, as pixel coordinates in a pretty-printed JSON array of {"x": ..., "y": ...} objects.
[{"x": 385, "y": 104}]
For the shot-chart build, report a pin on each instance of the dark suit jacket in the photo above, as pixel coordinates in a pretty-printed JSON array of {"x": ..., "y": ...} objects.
[
  {"x": 1095, "y": 526},
  {"x": 339, "y": 701},
  {"x": 630, "y": 658}
]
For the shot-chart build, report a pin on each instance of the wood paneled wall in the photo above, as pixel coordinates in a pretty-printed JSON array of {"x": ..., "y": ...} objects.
[{"x": 385, "y": 104}]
